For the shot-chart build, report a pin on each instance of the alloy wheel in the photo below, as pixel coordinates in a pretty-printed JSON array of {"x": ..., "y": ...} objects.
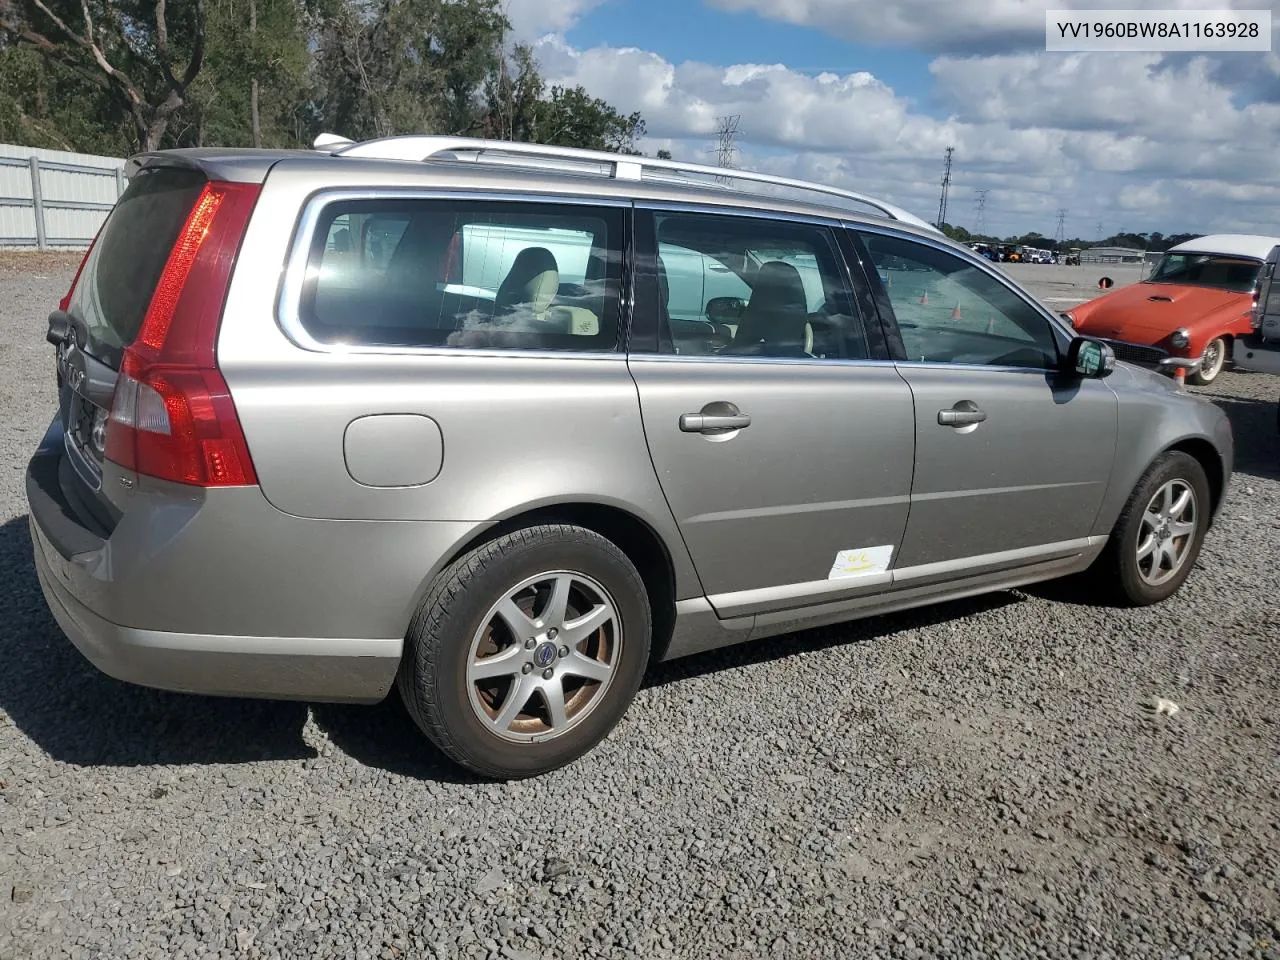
[
  {"x": 544, "y": 656},
  {"x": 1167, "y": 532}
]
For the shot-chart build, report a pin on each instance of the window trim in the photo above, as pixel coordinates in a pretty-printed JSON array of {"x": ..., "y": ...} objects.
[
  {"x": 293, "y": 276},
  {"x": 644, "y": 322},
  {"x": 1061, "y": 335}
]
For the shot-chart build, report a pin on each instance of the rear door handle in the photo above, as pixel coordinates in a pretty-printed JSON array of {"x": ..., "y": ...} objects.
[
  {"x": 713, "y": 423},
  {"x": 960, "y": 418}
]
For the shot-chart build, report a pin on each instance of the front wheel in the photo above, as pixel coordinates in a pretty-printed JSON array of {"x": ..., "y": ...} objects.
[
  {"x": 1212, "y": 361},
  {"x": 1158, "y": 536},
  {"x": 527, "y": 651}
]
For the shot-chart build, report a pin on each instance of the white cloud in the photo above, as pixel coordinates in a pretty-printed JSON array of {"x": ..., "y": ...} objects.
[
  {"x": 954, "y": 26},
  {"x": 1109, "y": 137},
  {"x": 531, "y": 19}
]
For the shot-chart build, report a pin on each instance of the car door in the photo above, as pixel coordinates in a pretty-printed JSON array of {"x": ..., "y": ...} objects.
[
  {"x": 784, "y": 439},
  {"x": 1013, "y": 456}
]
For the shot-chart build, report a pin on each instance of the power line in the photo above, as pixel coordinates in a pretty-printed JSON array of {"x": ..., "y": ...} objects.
[
  {"x": 946, "y": 187},
  {"x": 981, "y": 201},
  {"x": 726, "y": 148}
]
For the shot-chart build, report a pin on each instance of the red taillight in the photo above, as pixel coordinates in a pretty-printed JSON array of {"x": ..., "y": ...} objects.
[{"x": 173, "y": 416}]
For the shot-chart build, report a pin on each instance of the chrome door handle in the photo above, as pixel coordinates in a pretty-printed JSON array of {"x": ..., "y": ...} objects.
[
  {"x": 960, "y": 418},
  {"x": 712, "y": 423}
]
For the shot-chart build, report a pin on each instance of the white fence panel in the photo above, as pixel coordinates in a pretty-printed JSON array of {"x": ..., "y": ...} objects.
[{"x": 54, "y": 198}]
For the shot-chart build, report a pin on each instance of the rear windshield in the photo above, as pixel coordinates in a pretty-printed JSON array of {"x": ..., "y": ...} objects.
[
  {"x": 124, "y": 266},
  {"x": 1237, "y": 274}
]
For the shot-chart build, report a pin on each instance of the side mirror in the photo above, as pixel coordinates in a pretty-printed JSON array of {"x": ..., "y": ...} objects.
[
  {"x": 1090, "y": 358},
  {"x": 725, "y": 309}
]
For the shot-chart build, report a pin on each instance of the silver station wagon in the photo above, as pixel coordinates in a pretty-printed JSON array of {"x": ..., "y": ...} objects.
[{"x": 501, "y": 424}]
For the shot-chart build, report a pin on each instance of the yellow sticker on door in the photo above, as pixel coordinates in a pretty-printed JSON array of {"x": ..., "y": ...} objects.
[{"x": 863, "y": 562}]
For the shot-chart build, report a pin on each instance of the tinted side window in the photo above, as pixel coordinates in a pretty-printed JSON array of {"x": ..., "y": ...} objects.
[
  {"x": 467, "y": 274},
  {"x": 738, "y": 286},
  {"x": 951, "y": 311}
]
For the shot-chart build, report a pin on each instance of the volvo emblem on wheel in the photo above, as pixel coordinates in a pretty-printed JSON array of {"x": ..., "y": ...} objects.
[{"x": 545, "y": 654}]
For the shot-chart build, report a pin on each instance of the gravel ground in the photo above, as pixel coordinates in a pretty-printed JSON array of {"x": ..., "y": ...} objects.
[{"x": 975, "y": 780}]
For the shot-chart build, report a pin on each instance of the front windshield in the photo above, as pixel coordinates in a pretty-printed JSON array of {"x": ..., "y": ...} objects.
[{"x": 1237, "y": 274}]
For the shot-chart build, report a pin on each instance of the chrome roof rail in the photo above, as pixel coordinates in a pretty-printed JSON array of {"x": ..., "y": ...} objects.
[{"x": 618, "y": 166}]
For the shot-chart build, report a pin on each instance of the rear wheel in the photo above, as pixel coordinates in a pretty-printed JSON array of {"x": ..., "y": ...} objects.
[
  {"x": 1158, "y": 536},
  {"x": 1212, "y": 361},
  {"x": 527, "y": 651}
]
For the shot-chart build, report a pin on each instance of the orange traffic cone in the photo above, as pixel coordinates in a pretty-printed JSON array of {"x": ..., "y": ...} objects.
[
  {"x": 1180, "y": 376},
  {"x": 955, "y": 311},
  {"x": 924, "y": 297}
]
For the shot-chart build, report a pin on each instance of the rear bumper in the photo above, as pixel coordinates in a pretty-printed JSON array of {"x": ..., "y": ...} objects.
[
  {"x": 354, "y": 671},
  {"x": 218, "y": 592}
]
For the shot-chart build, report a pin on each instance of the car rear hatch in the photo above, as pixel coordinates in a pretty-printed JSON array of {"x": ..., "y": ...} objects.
[{"x": 139, "y": 392}]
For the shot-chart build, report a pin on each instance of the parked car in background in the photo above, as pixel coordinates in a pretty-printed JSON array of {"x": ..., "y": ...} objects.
[
  {"x": 1259, "y": 350},
  {"x": 498, "y": 425},
  {"x": 1195, "y": 305}
]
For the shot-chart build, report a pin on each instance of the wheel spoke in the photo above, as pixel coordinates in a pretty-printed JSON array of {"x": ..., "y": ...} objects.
[
  {"x": 502, "y": 664},
  {"x": 1168, "y": 500},
  {"x": 575, "y": 631},
  {"x": 517, "y": 622},
  {"x": 1180, "y": 505},
  {"x": 552, "y": 614},
  {"x": 1147, "y": 546},
  {"x": 1182, "y": 529},
  {"x": 553, "y": 693},
  {"x": 579, "y": 665},
  {"x": 1167, "y": 553},
  {"x": 517, "y": 697}
]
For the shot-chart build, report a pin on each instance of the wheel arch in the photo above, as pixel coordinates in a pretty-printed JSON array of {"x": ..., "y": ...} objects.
[
  {"x": 1204, "y": 453},
  {"x": 631, "y": 534}
]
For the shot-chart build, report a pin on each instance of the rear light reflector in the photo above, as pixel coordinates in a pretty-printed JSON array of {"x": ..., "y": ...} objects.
[{"x": 172, "y": 416}]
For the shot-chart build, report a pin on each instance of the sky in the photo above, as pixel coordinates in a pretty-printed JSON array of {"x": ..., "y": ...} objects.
[{"x": 868, "y": 94}]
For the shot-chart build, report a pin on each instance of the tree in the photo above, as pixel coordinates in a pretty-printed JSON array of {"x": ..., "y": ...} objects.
[
  {"x": 404, "y": 66},
  {"x": 518, "y": 107},
  {"x": 143, "y": 55},
  {"x": 664, "y": 154},
  {"x": 252, "y": 83},
  {"x": 116, "y": 76}
]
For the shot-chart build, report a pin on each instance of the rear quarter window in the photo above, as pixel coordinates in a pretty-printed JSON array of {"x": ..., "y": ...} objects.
[{"x": 464, "y": 274}]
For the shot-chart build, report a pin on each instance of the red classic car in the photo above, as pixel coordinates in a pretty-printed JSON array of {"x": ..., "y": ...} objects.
[{"x": 1196, "y": 302}]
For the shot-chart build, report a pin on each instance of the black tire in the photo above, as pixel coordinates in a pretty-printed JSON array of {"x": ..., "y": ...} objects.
[
  {"x": 432, "y": 677},
  {"x": 1202, "y": 378},
  {"x": 1116, "y": 570}
]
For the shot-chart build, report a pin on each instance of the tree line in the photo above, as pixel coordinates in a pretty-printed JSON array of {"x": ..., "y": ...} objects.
[
  {"x": 1155, "y": 242},
  {"x": 115, "y": 77}
]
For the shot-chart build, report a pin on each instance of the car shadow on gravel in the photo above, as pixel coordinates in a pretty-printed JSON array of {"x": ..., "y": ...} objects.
[
  {"x": 385, "y": 737},
  {"x": 80, "y": 716},
  {"x": 822, "y": 638},
  {"x": 1257, "y": 435}
]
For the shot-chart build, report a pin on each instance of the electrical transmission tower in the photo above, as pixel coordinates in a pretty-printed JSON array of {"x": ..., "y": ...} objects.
[
  {"x": 726, "y": 148},
  {"x": 1099, "y": 232},
  {"x": 1061, "y": 235},
  {"x": 946, "y": 187},
  {"x": 981, "y": 200}
]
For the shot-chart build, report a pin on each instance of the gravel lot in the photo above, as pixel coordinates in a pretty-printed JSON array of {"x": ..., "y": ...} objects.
[{"x": 975, "y": 780}]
